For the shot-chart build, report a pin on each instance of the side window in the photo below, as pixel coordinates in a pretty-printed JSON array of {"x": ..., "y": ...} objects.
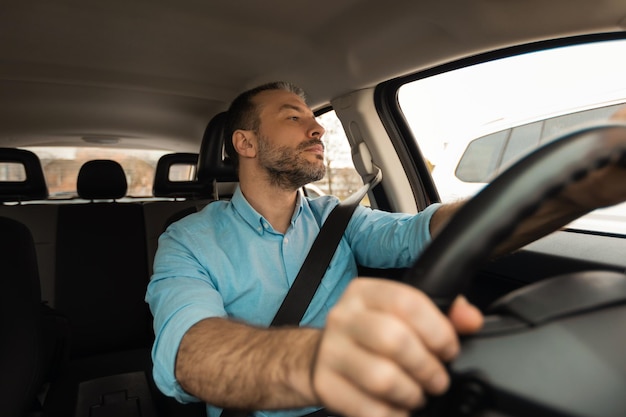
[
  {"x": 472, "y": 123},
  {"x": 341, "y": 179}
]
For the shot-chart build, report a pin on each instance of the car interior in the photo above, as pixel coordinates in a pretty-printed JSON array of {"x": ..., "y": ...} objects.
[{"x": 157, "y": 78}]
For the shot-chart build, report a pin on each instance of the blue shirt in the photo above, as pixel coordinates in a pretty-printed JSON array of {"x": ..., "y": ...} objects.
[{"x": 228, "y": 261}]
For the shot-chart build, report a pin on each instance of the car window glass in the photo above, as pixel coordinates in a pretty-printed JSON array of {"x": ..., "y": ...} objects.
[
  {"x": 61, "y": 166},
  {"x": 473, "y": 122},
  {"x": 180, "y": 172},
  {"x": 12, "y": 172}
]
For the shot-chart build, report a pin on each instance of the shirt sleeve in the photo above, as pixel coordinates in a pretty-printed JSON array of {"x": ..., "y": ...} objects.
[
  {"x": 381, "y": 239},
  {"x": 180, "y": 294}
]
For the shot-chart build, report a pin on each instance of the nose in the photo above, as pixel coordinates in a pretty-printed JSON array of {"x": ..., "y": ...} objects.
[{"x": 316, "y": 130}]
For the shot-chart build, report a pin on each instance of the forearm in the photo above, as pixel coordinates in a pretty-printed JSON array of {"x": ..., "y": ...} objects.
[
  {"x": 549, "y": 217},
  {"x": 233, "y": 365},
  {"x": 552, "y": 215},
  {"x": 600, "y": 188},
  {"x": 443, "y": 215}
]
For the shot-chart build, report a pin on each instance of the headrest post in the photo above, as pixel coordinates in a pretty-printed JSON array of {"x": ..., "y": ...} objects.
[{"x": 216, "y": 194}]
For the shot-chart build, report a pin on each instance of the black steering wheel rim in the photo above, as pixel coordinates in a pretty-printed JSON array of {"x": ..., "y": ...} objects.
[{"x": 444, "y": 269}]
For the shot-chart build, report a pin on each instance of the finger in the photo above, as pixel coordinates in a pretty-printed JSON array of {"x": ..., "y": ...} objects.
[
  {"x": 414, "y": 366},
  {"x": 374, "y": 374},
  {"x": 411, "y": 306},
  {"x": 465, "y": 317}
]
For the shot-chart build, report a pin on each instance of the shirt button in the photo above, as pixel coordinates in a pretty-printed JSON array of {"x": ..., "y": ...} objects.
[{"x": 285, "y": 240}]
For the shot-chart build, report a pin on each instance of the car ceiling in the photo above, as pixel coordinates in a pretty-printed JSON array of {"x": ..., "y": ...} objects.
[{"x": 153, "y": 72}]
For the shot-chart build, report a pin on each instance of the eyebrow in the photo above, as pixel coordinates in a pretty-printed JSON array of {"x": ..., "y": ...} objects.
[{"x": 287, "y": 106}]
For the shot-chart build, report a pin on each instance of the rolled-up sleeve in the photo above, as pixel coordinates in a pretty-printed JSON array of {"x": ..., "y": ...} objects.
[{"x": 180, "y": 294}]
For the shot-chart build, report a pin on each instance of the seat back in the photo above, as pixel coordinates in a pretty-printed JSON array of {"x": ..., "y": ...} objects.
[
  {"x": 101, "y": 272},
  {"x": 214, "y": 166},
  {"x": 22, "y": 359}
]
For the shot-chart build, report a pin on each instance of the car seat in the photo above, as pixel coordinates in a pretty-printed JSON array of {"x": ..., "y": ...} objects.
[
  {"x": 23, "y": 356},
  {"x": 101, "y": 280}
]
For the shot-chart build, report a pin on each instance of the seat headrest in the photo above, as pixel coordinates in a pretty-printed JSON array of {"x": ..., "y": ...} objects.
[
  {"x": 101, "y": 179},
  {"x": 163, "y": 185},
  {"x": 212, "y": 162},
  {"x": 33, "y": 187}
]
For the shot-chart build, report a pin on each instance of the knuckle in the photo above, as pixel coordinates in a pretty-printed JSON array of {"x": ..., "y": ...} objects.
[
  {"x": 411, "y": 302},
  {"x": 426, "y": 368},
  {"x": 338, "y": 317},
  {"x": 394, "y": 339},
  {"x": 381, "y": 379}
]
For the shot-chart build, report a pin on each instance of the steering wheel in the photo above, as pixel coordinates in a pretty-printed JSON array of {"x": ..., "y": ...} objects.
[{"x": 541, "y": 353}]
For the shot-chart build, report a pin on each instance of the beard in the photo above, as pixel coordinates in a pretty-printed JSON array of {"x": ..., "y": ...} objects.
[{"x": 286, "y": 167}]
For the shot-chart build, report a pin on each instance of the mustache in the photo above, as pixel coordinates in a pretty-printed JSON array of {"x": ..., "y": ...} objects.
[{"x": 309, "y": 143}]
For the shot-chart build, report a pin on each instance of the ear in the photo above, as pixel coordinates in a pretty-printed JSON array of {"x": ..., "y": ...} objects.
[{"x": 244, "y": 142}]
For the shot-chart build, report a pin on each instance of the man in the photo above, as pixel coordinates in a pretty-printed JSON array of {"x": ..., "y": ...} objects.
[{"x": 365, "y": 346}]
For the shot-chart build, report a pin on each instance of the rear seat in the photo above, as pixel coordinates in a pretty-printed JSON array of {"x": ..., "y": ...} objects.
[
  {"x": 23, "y": 357},
  {"x": 101, "y": 276},
  {"x": 36, "y": 245},
  {"x": 101, "y": 272},
  {"x": 17, "y": 201}
]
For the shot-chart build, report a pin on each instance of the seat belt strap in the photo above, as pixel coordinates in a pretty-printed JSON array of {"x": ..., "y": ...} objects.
[{"x": 316, "y": 263}]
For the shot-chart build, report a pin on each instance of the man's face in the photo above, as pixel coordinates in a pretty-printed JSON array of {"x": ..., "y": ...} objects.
[{"x": 290, "y": 148}]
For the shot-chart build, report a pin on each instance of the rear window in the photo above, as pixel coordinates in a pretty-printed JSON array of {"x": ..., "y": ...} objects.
[
  {"x": 12, "y": 172},
  {"x": 61, "y": 166}
]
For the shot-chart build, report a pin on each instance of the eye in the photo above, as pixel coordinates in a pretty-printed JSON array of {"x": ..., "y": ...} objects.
[{"x": 294, "y": 118}]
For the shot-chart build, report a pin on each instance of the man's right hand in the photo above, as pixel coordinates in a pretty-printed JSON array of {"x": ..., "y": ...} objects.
[{"x": 384, "y": 347}]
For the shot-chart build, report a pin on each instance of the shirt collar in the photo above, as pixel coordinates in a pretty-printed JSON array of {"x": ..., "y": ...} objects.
[{"x": 256, "y": 220}]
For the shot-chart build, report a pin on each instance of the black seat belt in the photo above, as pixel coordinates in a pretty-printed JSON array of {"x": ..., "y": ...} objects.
[{"x": 314, "y": 267}]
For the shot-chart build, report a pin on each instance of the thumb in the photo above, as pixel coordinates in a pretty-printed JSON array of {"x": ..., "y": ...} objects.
[{"x": 465, "y": 317}]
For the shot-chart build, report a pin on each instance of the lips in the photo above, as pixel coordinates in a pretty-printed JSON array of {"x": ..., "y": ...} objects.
[
  {"x": 314, "y": 146},
  {"x": 316, "y": 149}
]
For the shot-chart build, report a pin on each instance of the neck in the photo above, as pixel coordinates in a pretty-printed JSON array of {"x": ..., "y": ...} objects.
[{"x": 275, "y": 204}]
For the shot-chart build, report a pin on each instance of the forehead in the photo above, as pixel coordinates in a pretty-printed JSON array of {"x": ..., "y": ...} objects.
[{"x": 275, "y": 101}]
